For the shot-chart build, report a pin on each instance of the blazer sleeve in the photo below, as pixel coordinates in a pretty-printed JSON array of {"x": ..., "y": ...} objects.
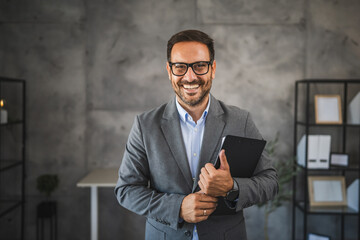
[
  {"x": 132, "y": 189},
  {"x": 263, "y": 185}
]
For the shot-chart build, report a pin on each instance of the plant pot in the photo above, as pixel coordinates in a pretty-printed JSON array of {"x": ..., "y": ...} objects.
[{"x": 46, "y": 209}]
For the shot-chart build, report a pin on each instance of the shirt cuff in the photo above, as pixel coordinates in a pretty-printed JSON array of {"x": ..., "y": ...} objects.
[{"x": 236, "y": 186}]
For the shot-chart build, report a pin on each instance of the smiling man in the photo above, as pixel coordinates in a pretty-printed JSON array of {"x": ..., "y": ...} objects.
[
  {"x": 167, "y": 171},
  {"x": 192, "y": 87}
]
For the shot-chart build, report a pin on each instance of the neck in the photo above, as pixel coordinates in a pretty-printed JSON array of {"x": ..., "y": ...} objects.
[{"x": 195, "y": 111}]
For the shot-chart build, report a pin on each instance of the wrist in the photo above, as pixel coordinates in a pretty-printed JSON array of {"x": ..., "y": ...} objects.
[
  {"x": 233, "y": 193},
  {"x": 228, "y": 187},
  {"x": 232, "y": 184}
]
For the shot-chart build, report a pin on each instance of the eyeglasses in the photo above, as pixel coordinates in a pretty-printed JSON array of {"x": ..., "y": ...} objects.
[{"x": 199, "y": 68}]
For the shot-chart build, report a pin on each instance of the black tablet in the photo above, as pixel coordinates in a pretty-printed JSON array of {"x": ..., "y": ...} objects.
[{"x": 242, "y": 154}]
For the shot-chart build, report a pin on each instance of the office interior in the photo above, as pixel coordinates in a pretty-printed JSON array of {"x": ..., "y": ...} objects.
[{"x": 76, "y": 73}]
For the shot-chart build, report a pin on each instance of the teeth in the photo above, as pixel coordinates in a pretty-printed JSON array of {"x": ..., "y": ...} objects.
[{"x": 192, "y": 86}]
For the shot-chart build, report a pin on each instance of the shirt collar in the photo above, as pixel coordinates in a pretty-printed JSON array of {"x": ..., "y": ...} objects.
[{"x": 184, "y": 114}]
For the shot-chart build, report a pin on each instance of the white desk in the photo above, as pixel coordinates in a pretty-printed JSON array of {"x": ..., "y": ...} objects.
[{"x": 98, "y": 178}]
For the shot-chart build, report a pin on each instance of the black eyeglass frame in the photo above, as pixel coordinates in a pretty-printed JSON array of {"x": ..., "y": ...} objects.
[{"x": 189, "y": 65}]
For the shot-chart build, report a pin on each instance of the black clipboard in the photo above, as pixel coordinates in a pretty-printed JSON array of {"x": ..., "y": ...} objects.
[{"x": 243, "y": 155}]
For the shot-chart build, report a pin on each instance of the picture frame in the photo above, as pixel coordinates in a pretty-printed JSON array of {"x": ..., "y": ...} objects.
[
  {"x": 339, "y": 159},
  {"x": 327, "y": 191},
  {"x": 328, "y": 109},
  {"x": 315, "y": 236}
]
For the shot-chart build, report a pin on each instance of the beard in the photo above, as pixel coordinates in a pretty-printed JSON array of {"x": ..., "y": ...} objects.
[{"x": 204, "y": 88}]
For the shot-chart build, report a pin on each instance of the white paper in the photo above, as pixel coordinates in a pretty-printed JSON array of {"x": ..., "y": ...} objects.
[
  {"x": 222, "y": 141},
  {"x": 317, "y": 237},
  {"x": 353, "y": 195},
  {"x": 328, "y": 109},
  {"x": 354, "y": 110},
  {"x": 339, "y": 159},
  {"x": 327, "y": 191}
]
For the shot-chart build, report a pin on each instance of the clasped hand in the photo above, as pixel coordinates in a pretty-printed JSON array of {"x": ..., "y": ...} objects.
[
  {"x": 197, "y": 207},
  {"x": 216, "y": 182}
]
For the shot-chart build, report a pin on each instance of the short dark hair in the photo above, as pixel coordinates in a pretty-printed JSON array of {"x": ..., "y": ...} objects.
[{"x": 191, "y": 36}]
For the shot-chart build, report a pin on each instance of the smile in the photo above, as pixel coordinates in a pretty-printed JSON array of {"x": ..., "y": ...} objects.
[{"x": 191, "y": 86}]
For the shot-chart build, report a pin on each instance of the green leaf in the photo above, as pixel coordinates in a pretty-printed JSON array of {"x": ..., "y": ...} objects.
[
  {"x": 286, "y": 170},
  {"x": 47, "y": 183}
]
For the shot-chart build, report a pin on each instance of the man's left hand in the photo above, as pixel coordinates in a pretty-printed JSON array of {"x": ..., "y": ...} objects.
[{"x": 216, "y": 182}]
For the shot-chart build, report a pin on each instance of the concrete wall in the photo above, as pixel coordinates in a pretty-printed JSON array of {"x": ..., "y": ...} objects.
[{"x": 91, "y": 66}]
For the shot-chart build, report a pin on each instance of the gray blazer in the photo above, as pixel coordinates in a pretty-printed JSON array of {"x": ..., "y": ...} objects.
[{"x": 155, "y": 176}]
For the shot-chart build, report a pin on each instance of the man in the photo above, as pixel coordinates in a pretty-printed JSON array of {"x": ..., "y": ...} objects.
[{"x": 167, "y": 171}]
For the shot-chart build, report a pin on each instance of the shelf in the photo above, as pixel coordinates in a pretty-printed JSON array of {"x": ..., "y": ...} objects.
[
  {"x": 12, "y": 80},
  {"x": 305, "y": 123},
  {"x": 327, "y": 125},
  {"x": 336, "y": 81},
  {"x": 7, "y": 164},
  {"x": 13, "y": 166},
  {"x": 351, "y": 168},
  {"x": 7, "y": 206},
  {"x": 18, "y": 122},
  {"x": 326, "y": 210}
]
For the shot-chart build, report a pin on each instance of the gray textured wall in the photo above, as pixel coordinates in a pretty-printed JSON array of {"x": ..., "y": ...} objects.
[{"x": 92, "y": 65}]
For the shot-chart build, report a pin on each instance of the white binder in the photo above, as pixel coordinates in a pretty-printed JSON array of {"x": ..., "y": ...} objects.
[
  {"x": 318, "y": 151},
  {"x": 353, "y": 195},
  {"x": 313, "y": 146},
  {"x": 354, "y": 110},
  {"x": 324, "y": 151},
  {"x": 301, "y": 152}
]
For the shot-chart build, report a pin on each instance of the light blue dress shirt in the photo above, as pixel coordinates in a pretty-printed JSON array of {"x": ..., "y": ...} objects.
[{"x": 192, "y": 134}]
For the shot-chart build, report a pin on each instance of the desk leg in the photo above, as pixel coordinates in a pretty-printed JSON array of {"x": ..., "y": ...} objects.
[{"x": 94, "y": 213}]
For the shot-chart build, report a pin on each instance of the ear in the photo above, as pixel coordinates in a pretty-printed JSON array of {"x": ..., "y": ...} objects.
[
  {"x": 213, "y": 69},
  {"x": 168, "y": 70}
]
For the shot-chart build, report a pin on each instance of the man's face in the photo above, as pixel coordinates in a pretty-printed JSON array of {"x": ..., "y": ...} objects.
[{"x": 191, "y": 89}]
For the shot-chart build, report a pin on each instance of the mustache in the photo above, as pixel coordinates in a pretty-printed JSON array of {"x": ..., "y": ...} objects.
[{"x": 195, "y": 82}]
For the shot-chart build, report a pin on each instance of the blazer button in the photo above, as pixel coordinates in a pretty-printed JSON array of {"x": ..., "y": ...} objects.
[{"x": 188, "y": 233}]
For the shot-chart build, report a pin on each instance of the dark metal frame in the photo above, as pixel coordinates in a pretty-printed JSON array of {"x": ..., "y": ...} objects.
[
  {"x": 189, "y": 65},
  {"x": 21, "y": 163},
  {"x": 304, "y": 207},
  {"x": 46, "y": 213}
]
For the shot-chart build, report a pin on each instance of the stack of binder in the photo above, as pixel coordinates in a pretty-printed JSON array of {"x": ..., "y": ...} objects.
[{"x": 318, "y": 153}]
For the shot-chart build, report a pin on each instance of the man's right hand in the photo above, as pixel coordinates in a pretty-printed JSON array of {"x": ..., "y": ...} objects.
[{"x": 197, "y": 207}]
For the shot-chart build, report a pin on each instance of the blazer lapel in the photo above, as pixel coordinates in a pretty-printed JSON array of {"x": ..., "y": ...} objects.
[
  {"x": 214, "y": 127},
  {"x": 170, "y": 125}
]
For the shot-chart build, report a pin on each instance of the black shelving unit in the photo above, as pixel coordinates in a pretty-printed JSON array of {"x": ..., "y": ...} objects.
[
  {"x": 304, "y": 124},
  {"x": 12, "y": 159}
]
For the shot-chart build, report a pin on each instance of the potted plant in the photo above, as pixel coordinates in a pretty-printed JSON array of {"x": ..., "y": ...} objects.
[
  {"x": 46, "y": 184},
  {"x": 286, "y": 169}
]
